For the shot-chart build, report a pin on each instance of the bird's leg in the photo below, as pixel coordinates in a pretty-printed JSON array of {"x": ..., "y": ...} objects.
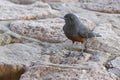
[
  {"x": 85, "y": 46},
  {"x": 82, "y": 48},
  {"x": 67, "y": 55}
]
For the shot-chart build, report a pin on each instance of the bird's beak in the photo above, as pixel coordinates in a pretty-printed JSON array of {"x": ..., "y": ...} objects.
[{"x": 62, "y": 17}]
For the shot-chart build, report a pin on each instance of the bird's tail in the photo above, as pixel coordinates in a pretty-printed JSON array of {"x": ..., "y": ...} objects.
[
  {"x": 92, "y": 34},
  {"x": 97, "y": 35}
]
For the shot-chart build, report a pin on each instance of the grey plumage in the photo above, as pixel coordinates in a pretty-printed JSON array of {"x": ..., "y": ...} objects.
[
  {"x": 74, "y": 27},
  {"x": 77, "y": 31}
]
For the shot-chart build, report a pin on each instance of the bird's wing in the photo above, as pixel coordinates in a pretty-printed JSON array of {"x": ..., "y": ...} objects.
[
  {"x": 82, "y": 30},
  {"x": 88, "y": 34}
]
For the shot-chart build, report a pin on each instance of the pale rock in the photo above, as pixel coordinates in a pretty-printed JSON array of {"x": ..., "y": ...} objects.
[
  {"x": 25, "y": 12},
  {"x": 109, "y": 42},
  {"x": 55, "y": 0},
  {"x": 109, "y": 6},
  {"x": 58, "y": 5},
  {"x": 113, "y": 65},
  {"x": 85, "y": 1},
  {"x": 116, "y": 63},
  {"x": 4, "y": 2},
  {"x": 35, "y": 53},
  {"x": 115, "y": 71},
  {"x": 67, "y": 72},
  {"x": 20, "y": 53},
  {"x": 50, "y": 60},
  {"x": 74, "y": 58},
  {"x": 100, "y": 57},
  {"x": 44, "y": 30},
  {"x": 23, "y": 1},
  {"x": 5, "y": 37},
  {"x": 115, "y": 21}
]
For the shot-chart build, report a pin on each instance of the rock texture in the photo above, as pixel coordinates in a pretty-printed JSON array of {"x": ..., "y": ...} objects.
[
  {"x": 23, "y": 1},
  {"x": 7, "y": 37},
  {"x": 108, "y": 42},
  {"x": 65, "y": 73},
  {"x": 108, "y": 6},
  {"x": 55, "y": 0},
  {"x": 16, "y": 54},
  {"x": 34, "y": 47},
  {"x": 44, "y": 30},
  {"x": 25, "y": 12}
]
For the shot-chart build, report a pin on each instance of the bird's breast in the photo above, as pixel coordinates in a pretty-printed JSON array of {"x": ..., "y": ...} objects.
[{"x": 76, "y": 38}]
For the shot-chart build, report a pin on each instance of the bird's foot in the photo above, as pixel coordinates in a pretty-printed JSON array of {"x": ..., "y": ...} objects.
[
  {"x": 81, "y": 54},
  {"x": 67, "y": 55},
  {"x": 85, "y": 50}
]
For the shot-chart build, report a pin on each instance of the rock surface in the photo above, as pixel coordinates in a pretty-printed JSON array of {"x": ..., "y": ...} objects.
[
  {"x": 55, "y": 0},
  {"x": 7, "y": 37},
  {"x": 113, "y": 66},
  {"x": 23, "y": 1},
  {"x": 34, "y": 47},
  {"x": 25, "y": 12},
  {"x": 45, "y": 30},
  {"x": 108, "y": 6},
  {"x": 108, "y": 42},
  {"x": 65, "y": 73}
]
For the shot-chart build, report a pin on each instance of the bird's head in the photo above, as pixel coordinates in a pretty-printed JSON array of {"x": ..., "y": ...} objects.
[{"x": 70, "y": 18}]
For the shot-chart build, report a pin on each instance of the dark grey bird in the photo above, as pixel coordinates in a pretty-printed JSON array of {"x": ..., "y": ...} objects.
[{"x": 77, "y": 31}]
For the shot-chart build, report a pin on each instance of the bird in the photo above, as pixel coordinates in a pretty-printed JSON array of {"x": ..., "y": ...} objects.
[{"x": 76, "y": 31}]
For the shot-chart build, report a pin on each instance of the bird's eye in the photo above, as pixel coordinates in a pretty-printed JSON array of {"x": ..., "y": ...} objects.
[{"x": 71, "y": 17}]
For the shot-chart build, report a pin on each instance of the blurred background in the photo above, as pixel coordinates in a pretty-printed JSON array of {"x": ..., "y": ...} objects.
[{"x": 33, "y": 45}]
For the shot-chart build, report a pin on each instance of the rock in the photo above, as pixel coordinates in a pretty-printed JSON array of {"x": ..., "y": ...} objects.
[
  {"x": 23, "y": 1},
  {"x": 115, "y": 71},
  {"x": 11, "y": 72},
  {"x": 85, "y": 1},
  {"x": 5, "y": 37},
  {"x": 108, "y": 6},
  {"x": 113, "y": 65},
  {"x": 74, "y": 58},
  {"x": 20, "y": 53},
  {"x": 100, "y": 57},
  {"x": 115, "y": 23},
  {"x": 55, "y": 0},
  {"x": 46, "y": 30},
  {"x": 58, "y": 5},
  {"x": 65, "y": 72},
  {"x": 41, "y": 46},
  {"x": 116, "y": 63},
  {"x": 109, "y": 42},
  {"x": 25, "y": 12}
]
